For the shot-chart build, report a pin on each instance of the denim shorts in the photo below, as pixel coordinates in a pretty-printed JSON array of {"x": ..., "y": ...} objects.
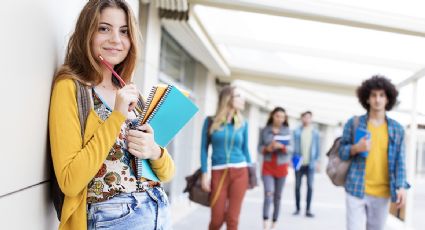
[{"x": 147, "y": 210}]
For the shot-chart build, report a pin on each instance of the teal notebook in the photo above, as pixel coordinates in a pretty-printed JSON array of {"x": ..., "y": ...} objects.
[{"x": 172, "y": 113}]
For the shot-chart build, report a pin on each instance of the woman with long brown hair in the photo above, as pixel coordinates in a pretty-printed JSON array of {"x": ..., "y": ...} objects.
[
  {"x": 227, "y": 132},
  {"x": 275, "y": 145},
  {"x": 96, "y": 171}
]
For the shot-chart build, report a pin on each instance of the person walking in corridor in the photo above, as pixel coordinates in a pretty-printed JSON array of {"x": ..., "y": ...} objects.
[
  {"x": 274, "y": 144},
  {"x": 378, "y": 172},
  {"x": 96, "y": 170},
  {"x": 227, "y": 132},
  {"x": 306, "y": 148}
]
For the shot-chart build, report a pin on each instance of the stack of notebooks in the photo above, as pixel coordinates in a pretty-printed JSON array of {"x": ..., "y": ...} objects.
[
  {"x": 167, "y": 110},
  {"x": 283, "y": 139}
]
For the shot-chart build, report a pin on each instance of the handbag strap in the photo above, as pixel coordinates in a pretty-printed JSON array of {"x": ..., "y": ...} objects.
[
  {"x": 220, "y": 185},
  {"x": 223, "y": 176}
]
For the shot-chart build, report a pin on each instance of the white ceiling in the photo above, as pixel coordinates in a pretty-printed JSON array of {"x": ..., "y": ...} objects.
[{"x": 315, "y": 52}]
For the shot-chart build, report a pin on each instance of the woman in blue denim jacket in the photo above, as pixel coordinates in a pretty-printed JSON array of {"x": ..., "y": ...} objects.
[{"x": 275, "y": 146}]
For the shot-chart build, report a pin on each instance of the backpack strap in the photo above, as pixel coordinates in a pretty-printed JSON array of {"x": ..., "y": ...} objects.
[
  {"x": 84, "y": 104},
  {"x": 355, "y": 125}
]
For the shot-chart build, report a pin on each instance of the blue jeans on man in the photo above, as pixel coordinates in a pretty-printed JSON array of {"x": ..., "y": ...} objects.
[{"x": 304, "y": 170}]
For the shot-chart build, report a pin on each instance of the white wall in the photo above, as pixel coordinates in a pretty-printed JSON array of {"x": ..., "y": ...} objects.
[
  {"x": 148, "y": 69},
  {"x": 32, "y": 43},
  {"x": 206, "y": 98},
  {"x": 254, "y": 125}
]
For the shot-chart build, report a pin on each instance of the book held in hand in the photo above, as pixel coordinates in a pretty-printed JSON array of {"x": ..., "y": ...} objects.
[
  {"x": 283, "y": 139},
  {"x": 167, "y": 110},
  {"x": 360, "y": 133}
]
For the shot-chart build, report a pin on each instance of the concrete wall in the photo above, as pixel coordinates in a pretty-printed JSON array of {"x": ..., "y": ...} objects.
[{"x": 32, "y": 42}]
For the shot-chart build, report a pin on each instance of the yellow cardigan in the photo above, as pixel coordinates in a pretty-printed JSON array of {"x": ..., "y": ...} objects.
[{"x": 74, "y": 165}]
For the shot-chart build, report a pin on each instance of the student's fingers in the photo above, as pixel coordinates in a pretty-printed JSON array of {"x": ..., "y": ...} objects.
[
  {"x": 132, "y": 106},
  {"x": 134, "y": 145},
  {"x": 401, "y": 200},
  {"x": 130, "y": 90},
  {"x": 137, "y": 153},
  {"x": 130, "y": 86},
  {"x": 206, "y": 185},
  {"x": 131, "y": 99},
  {"x": 146, "y": 128},
  {"x": 136, "y": 137}
]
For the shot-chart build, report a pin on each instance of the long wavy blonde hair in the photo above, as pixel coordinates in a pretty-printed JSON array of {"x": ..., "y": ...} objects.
[
  {"x": 80, "y": 62},
  {"x": 224, "y": 106}
]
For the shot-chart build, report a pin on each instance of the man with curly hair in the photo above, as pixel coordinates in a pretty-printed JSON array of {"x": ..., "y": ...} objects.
[{"x": 379, "y": 176}]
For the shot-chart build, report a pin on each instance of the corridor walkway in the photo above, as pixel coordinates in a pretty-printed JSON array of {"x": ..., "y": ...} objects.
[{"x": 327, "y": 205}]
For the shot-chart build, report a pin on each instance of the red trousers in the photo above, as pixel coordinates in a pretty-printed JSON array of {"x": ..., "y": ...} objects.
[{"x": 228, "y": 205}]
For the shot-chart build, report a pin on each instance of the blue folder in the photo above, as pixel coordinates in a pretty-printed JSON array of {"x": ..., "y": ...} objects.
[
  {"x": 171, "y": 114},
  {"x": 297, "y": 161},
  {"x": 360, "y": 133}
]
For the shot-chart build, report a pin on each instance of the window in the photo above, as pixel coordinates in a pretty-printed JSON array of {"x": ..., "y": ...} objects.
[{"x": 176, "y": 65}]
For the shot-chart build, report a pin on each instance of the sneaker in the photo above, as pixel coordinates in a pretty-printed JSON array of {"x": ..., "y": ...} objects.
[
  {"x": 266, "y": 225},
  {"x": 296, "y": 213},
  {"x": 309, "y": 214}
]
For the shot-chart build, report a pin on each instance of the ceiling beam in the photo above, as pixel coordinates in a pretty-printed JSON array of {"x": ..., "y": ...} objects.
[
  {"x": 294, "y": 82},
  {"x": 295, "y": 106},
  {"x": 414, "y": 77},
  {"x": 326, "y": 12},
  {"x": 274, "y": 47},
  {"x": 193, "y": 38}
]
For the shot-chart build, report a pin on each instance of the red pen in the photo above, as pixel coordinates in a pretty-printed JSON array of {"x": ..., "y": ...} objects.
[{"x": 122, "y": 83}]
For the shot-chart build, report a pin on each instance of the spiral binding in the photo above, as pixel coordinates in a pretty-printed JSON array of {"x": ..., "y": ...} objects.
[
  {"x": 139, "y": 121},
  {"x": 146, "y": 107},
  {"x": 167, "y": 91}
]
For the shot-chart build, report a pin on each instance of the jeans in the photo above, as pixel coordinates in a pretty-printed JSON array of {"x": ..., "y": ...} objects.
[
  {"x": 304, "y": 170},
  {"x": 147, "y": 210},
  {"x": 368, "y": 213},
  {"x": 273, "y": 187}
]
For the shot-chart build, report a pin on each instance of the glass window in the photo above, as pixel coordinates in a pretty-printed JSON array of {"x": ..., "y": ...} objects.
[{"x": 175, "y": 63}]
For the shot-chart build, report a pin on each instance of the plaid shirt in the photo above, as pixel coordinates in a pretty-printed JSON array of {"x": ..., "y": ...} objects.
[{"x": 355, "y": 180}]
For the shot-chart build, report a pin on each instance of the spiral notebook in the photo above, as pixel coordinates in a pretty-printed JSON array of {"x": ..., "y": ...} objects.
[{"x": 167, "y": 110}]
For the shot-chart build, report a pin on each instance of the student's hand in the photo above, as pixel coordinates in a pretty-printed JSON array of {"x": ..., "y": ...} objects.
[
  {"x": 126, "y": 99},
  {"x": 273, "y": 146},
  {"x": 270, "y": 147},
  {"x": 205, "y": 183},
  {"x": 401, "y": 197},
  {"x": 362, "y": 146},
  {"x": 141, "y": 143},
  {"x": 317, "y": 167},
  {"x": 284, "y": 150},
  {"x": 279, "y": 146}
]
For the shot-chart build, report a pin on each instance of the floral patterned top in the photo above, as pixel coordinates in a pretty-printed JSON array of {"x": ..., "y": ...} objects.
[{"x": 117, "y": 173}]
